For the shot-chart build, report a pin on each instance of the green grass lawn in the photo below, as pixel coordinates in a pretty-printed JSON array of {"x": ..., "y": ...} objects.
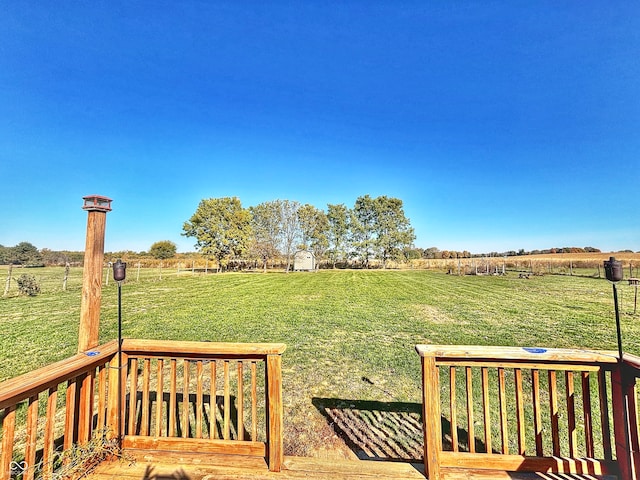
[{"x": 349, "y": 334}]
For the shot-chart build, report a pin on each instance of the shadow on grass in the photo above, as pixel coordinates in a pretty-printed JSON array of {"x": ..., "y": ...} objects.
[{"x": 389, "y": 431}]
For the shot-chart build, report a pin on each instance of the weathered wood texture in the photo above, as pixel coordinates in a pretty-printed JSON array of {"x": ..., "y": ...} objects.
[
  {"x": 150, "y": 464},
  {"x": 88, "y": 333},
  {"x": 50, "y": 409},
  {"x": 544, "y": 410}
]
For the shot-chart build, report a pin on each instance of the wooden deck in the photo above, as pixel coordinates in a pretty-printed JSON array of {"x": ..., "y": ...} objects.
[
  {"x": 195, "y": 411},
  {"x": 149, "y": 465}
]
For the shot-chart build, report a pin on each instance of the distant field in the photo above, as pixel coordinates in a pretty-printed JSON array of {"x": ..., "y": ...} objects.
[
  {"x": 579, "y": 264},
  {"x": 349, "y": 334}
]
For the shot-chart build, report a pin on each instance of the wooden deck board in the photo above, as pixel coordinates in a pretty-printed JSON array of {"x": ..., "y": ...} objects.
[
  {"x": 150, "y": 465},
  {"x": 153, "y": 465}
]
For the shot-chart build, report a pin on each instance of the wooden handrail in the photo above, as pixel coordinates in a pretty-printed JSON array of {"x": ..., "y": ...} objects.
[
  {"x": 631, "y": 360},
  {"x": 189, "y": 348},
  {"x": 524, "y": 354},
  {"x": 22, "y": 387}
]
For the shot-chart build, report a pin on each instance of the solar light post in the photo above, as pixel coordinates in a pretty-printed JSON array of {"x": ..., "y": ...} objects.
[
  {"x": 613, "y": 271},
  {"x": 119, "y": 274}
]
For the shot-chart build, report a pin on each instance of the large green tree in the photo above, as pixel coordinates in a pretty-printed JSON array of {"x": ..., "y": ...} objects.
[
  {"x": 221, "y": 227},
  {"x": 392, "y": 229},
  {"x": 338, "y": 232},
  {"x": 163, "y": 249},
  {"x": 290, "y": 228},
  {"x": 25, "y": 253},
  {"x": 363, "y": 224},
  {"x": 314, "y": 228},
  {"x": 267, "y": 230}
]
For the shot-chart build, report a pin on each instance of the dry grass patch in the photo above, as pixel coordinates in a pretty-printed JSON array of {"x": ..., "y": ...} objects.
[{"x": 434, "y": 315}]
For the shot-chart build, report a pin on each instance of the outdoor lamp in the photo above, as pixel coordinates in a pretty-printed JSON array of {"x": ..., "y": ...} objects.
[
  {"x": 119, "y": 270},
  {"x": 613, "y": 269}
]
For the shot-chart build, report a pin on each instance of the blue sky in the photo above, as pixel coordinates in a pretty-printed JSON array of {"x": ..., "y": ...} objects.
[{"x": 501, "y": 125}]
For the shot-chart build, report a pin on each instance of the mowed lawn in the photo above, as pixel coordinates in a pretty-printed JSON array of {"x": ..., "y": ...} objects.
[{"x": 350, "y": 335}]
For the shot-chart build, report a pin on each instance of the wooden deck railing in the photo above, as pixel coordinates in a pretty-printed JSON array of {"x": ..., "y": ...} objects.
[
  {"x": 169, "y": 400},
  {"x": 172, "y": 401},
  {"x": 45, "y": 412},
  {"x": 519, "y": 409}
]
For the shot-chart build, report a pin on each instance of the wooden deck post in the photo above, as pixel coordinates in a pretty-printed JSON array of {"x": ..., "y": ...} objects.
[
  {"x": 88, "y": 333},
  {"x": 275, "y": 412},
  {"x": 625, "y": 422},
  {"x": 431, "y": 422},
  {"x": 97, "y": 207}
]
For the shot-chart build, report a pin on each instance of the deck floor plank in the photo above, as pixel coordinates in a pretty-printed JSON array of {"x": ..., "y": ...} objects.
[{"x": 153, "y": 465}]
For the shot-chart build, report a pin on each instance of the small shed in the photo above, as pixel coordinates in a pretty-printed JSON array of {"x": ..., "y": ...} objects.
[{"x": 304, "y": 260}]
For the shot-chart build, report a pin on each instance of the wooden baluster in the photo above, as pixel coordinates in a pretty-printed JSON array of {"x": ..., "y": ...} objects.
[
  {"x": 453, "y": 409},
  {"x": 227, "y": 403},
  {"x": 116, "y": 407},
  {"x": 213, "y": 403},
  {"x": 185, "y": 400},
  {"x": 275, "y": 412},
  {"x": 84, "y": 407},
  {"x": 32, "y": 436},
  {"x": 571, "y": 414},
  {"x": 159, "y": 397},
  {"x": 604, "y": 414},
  {"x": 70, "y": 414},
  {"x": 537, "y": 417},
  {"x": 133, "y": 397},
  {"x": 486, "y": 409},
  {"x": 240, "y": 402},
  {"x": 8, "y": 432},
  {"x": 634, "y": 433},
  {"x": 254, "y": 402},
  {"x": 554, "y": 412},
  {"x": 502, "y": 398},
  {"x": 199, "y": 399},
  {"x": 101, "y": 424},
  {"x": 522, "y": 446},
  {"x": 49, "y": 433},
  {"x": 470, "y": 426},
  {"x": 146, "y": 380},
  {"x": 173, "y": 406},
  {"x": 588, "y": 420}
]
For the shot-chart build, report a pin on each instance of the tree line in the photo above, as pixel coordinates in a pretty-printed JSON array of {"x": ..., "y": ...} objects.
[
  {"x": 374, "y": 228},
  {"x": 24, "y": 253},
  {"x": 433, "y": 252}
]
